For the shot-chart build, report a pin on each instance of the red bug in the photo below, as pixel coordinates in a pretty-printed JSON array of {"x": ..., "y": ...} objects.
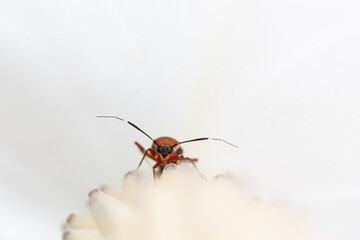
[{"x": 165, "y": 150}]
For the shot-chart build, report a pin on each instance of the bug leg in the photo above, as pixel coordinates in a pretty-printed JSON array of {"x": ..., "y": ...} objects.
[
  {"x": 151, "y": 154},
  {"x": 195, "y": 165},
  {"x": 146, "y": 152},
  {"x": 154, "y": 167},
  {"x": 142, "y": 149}
]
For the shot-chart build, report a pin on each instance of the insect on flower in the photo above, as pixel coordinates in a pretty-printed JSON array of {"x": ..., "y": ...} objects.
[{"x": 165, "y": 150}]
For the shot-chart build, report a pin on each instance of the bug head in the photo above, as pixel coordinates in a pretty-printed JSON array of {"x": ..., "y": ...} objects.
[{"x": 164, "y": 150}]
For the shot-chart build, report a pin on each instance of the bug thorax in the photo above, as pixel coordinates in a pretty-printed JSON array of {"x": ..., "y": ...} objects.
[{"x": 164, "y": 150}]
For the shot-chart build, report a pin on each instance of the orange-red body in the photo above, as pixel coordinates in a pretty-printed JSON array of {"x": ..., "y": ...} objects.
[{"x": 174, "y": 157}]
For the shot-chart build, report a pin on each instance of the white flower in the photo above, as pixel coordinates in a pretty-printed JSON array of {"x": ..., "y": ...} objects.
[{"x": 181, "y": 205}]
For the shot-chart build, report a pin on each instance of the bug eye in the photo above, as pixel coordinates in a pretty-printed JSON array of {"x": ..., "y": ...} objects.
[
  {"x": 159, "y": 149},
  {"x": 171, "y": 149}
]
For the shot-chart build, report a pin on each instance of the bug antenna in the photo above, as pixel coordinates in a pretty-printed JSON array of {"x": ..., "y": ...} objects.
[
  {"x": 110, "y": 117},
  {"x": 202, "y": 139},
  {"x": 131, "y": 125},
  {"x": 218, "y": 139}
]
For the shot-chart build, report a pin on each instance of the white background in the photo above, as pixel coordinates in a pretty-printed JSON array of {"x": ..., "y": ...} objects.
[{"x": 278, "y": 78}]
